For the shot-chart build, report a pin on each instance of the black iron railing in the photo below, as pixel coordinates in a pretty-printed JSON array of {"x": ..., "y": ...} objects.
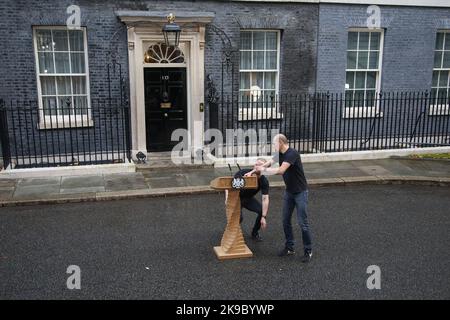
[
  {"x": 50, "y": 136},
  {"x": 335, "y": 122}
]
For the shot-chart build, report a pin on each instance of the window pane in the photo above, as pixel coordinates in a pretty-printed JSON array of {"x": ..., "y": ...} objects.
[
  {"x": 440, "y": 41},
  {"x": 352, "y": 41},
  {"x": 438, "y": 59},
  {"x": 246, "y": 60},
  {"x": 371, "y": 80},
  {"x": 363, "y": 40},
  {"x": 60, "y": 40},
  {"x": 80, "y": 105},
  {"x": 46, "y": 62},
  {"x": 244, "y": 96},
  {"x": 268, "y": 95},
  {"x": 270, "y": 80},
  {"x": 447, "y": 41},
  {"x": 76, "y": 40},
  {"x": 443, "y": 79},
  {"x": 65, "y": 105},
  {"x": 258, "y": 60},
  {"x": 44, "y": 40},
  {"x": 258, "y": 40},
  {"x": 245, "y": 80},
  {"x": 434, "y": 95},
  {"x": 360, "y": 80},
  {"x": 370, "y": 98},
  {"x": 49, "y": 105},
  {"x": 62, "y": 62},
  {"x": 435, "y": 78},
  {"x": 446, "y": 59},
  {"x": 77, "y": 60},
  {"x": 79, "y": 85},
  {"x": 351, "y": 60},
  {"x": 349, "y": 98},
  {"x": 359, "y": 98},
  {"x": 363, "y": 57},
  {"x": 257, "y": 79},
  {"x": 350, "y": 81},
  {"x": 271, "y": 60},
  {"x": 271, "y": 41},
  {"x": 373, "y": 60},
  {"x": 442, "y": 96},
  {"x": 48, "y": 85},
  {"x": 64, "y": 86},
  {"x": 375, "y": 41}
]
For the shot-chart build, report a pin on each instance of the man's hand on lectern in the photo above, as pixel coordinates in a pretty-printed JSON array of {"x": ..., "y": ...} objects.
[{"x": 249, "y": 174}]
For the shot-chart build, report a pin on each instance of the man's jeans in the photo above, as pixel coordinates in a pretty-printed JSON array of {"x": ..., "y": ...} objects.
[
  {"x": 299, "y": 201},
  {"x": 252, "y": 204}
]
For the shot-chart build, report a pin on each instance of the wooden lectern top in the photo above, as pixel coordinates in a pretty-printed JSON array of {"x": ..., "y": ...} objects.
[{"x": 226, "y": 183}]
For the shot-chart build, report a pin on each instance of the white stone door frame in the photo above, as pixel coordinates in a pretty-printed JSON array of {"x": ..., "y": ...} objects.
[{"x": 145, "y": 28}]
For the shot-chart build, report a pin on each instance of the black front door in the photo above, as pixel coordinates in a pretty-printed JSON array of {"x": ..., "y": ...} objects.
[{"x": 165, "y": 106}]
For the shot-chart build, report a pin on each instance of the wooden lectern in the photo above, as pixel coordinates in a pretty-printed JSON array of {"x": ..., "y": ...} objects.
[{"x": 233, "y": 245}]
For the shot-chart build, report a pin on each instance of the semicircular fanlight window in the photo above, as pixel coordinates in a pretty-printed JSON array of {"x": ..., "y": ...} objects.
[{"x": 161, "y": 53}]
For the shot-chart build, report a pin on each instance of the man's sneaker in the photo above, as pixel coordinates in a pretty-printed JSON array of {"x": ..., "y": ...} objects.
[
  {"x": 256, "y": 237},
  {"x": 286, "y": 252},
  {"x": 307, "y": 257}
]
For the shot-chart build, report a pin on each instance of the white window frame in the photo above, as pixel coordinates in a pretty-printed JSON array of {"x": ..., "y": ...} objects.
[
  {"x": 260, "y": 113},
  {"x": 440, "y": 109},
  {"x": 62, "y": 121},
  {"x": 366, "y": 112}
]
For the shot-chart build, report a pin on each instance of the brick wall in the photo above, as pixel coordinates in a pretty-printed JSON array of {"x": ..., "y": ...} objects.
[{"x": 409, "y": 41}]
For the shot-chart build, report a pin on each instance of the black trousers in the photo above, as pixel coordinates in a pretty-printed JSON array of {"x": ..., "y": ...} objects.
[{"x": 253, "y": 205}]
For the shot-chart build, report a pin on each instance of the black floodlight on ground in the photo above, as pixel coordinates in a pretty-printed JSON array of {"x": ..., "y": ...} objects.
[{"x": 140, "y": 156}]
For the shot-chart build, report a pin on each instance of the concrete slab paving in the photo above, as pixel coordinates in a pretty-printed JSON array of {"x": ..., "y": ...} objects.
[
  {"x": 8, "y": 183},
  {"x": 125, "y": 181},
  {"x": 334, "y": 173},
  {"x": 374, "y": 170},
  {"x": 443, "y": 166},
  {"x": 82, "y": 190},
  {"x": 82, "y": 181},
  {"x": 6, "y": 193},
  {"x": 30, "y": 182},
  {"x": 36, "y": 191},
  {"x": 168, "y": 182}
]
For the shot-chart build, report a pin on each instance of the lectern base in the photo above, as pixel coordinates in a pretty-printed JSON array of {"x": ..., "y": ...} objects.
[{"x": 222, "y": 255}]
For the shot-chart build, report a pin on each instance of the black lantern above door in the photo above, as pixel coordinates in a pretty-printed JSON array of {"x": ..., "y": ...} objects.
[{"x": 171, "y": 32}]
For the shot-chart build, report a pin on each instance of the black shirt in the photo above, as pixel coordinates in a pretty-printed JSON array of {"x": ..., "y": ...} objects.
[
  {"x": 294, "y": 176},
  {"x": 263, "y": 185}
]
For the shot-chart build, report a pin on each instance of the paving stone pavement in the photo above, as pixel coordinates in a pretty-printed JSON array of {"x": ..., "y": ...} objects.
[{"x": 184, "y": 179}]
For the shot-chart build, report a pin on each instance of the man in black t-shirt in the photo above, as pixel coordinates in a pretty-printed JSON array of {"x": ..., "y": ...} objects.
[
  {"x": 295, "y": 196},
  {"x": 248, "y": 201}
]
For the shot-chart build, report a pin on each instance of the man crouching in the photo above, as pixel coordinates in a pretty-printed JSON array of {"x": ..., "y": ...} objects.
[{"x": 249, "y": 202}]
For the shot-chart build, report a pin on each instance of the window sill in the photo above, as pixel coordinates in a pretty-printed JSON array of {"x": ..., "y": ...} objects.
[
  {"x": 259, "y": 114},
  {"x": 362, "y": 112},
  {"x": 439, "y": 110},
  {"x": 60, "y": 124}
]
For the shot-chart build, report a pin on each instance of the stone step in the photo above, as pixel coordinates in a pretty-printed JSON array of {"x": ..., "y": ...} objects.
[{"x": 153, "y": 165}]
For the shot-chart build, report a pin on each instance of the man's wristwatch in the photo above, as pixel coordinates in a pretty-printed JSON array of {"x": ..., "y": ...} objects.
[{"x": 264, "y": 217}]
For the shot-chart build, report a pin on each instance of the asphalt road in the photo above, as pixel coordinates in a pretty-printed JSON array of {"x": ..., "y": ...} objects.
[{"x": 163, "y": 248}]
